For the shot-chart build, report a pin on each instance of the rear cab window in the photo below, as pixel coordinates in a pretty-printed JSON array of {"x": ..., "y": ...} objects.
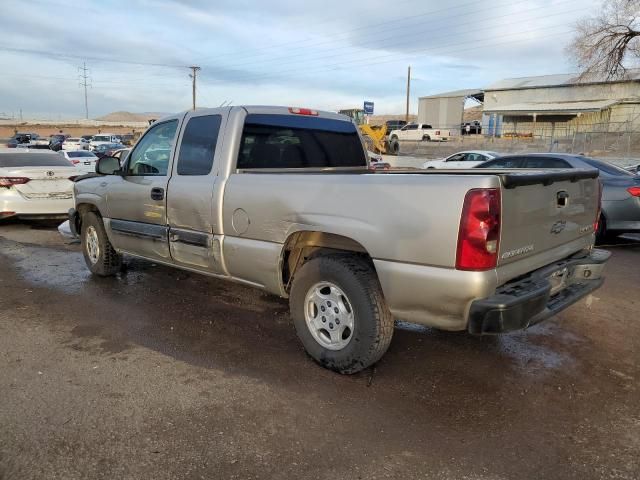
[{"x": 271, "y": 141}]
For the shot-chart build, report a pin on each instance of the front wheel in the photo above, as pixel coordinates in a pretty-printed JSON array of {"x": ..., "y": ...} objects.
[
  {"x": 426, "y": 138},
  {"x": 99, "y": 255},
  {"x": 340, "y": 314}
]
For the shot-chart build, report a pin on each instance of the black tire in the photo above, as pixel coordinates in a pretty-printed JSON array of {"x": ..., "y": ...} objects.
[
  {"x": 393, "y": 138},
  {"x": 426, "y": 138},
  {"x": 394, "y": 147},
  {"x": 372, "y": 320},
  {"x": 603, "y": 235},
  {"x": 108, "y": 261}
]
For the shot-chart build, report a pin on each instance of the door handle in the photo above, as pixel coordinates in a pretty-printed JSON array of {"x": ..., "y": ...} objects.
[{"x": 157, "y": 193}]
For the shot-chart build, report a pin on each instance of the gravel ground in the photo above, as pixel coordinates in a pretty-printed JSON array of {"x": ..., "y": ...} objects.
[{"x": 163, "y": 374}]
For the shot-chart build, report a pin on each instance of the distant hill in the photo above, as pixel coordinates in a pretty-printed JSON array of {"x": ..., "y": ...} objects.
[{"x": 130, "y": 117}]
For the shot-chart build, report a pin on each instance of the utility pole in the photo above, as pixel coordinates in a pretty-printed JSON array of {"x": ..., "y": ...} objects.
[
  {"x": 193, "y": 85},
  {"x": 85, "y": 82},
  {"x": 406, "y": 115}
]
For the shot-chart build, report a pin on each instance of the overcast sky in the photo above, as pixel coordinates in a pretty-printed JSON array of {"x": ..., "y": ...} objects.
[{"x": 329, "y": 54}]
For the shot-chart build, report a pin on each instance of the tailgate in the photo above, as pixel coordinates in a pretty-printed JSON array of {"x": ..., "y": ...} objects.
[{"x": 541, "y": 216}]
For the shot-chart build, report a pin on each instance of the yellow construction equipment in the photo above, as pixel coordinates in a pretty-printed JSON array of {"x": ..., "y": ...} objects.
[{"x": 375, "y": 137}]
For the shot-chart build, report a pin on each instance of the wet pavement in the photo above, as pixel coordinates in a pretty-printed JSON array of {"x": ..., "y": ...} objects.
[{"x": 160, "y": 373}]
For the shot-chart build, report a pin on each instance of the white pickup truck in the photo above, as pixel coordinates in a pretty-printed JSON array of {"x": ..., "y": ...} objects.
[
  {"x": 102, "y": 139},
  {"x": 420, "y": 132},
  {"x": 282, "y": 199}
]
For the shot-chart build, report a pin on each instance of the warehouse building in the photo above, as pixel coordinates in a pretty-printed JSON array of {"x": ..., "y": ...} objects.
[
  {"x": 560, "y": 106},
  {"x": 549, "y": 106}
]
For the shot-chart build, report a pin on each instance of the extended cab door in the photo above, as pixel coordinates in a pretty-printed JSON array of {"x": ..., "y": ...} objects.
[
  {"x": 136, "y": 201},
  {"x": 190, "y": 209}
]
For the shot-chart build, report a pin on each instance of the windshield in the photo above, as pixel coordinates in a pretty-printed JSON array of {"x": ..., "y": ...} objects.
[
  {"x": 607, "y": 168},
  {"x": 82, "y": 153},
  {"x": 101, "y": 138}
]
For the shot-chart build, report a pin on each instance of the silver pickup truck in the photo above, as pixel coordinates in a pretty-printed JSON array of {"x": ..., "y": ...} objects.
[{"x": 282, "y": 199}]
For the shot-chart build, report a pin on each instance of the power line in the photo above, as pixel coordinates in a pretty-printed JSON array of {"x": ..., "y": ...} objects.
[{"x": 84, "y": 82}]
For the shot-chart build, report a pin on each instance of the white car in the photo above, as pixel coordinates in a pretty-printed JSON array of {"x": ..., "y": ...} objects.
[
  {"x": 468, "y": 159},
  {"x": 82, "y": 159},
  {"x": 35, "y": 184},
  {"x": 75, "y": 143},
  {"x": 419, "y": 132},
  {"x": 102, "y": 138}
]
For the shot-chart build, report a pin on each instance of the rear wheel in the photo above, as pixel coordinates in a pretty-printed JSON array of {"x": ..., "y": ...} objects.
[
  {"x": 99, "y": 255},
  {"x": 426, "y": 138},
  {"x": 602, "y": 234},
  {"x": 340, "y": 314}
]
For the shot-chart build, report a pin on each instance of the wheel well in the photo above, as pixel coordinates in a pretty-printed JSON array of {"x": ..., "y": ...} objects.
[
  {"x": 82, "y": 209},
  {"x": 303, "y": 246}
]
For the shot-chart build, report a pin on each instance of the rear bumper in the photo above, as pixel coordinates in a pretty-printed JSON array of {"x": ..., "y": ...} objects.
[
  {"x": 43, "y": 208},
  {"x": 538, "y": 296}
]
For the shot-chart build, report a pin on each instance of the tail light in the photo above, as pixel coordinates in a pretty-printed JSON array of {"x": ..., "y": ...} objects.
[
  {"x": 479, "y": 233},
  {"x": 634, "y": 191},
  {"x": 7, "y": 214},
  {"x": 11, "y": 181},
  {"x": 437, "y": 132},
  {"x": 75, "y": 161},
  {"x": 73, "y": 178},
  {"x": 303, "y": 111}
]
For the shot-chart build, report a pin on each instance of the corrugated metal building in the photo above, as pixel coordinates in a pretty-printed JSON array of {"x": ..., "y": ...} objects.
[
  {"x": 445, "y": 110},
  {"x": 561, "y": 106}
]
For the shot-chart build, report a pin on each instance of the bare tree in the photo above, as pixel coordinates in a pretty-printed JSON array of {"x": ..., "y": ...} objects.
[{"x": 609, "y": 42}]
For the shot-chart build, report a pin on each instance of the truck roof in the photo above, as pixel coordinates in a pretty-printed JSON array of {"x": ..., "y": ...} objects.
[{"x": 263, "y": 109}]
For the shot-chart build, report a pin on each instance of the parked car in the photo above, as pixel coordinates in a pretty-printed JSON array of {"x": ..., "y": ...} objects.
[
  {"x": 127, "y": 139},
  {"x": 35, "y": 185},
  {"x": 281, "y": 199},
  {"x": 475, "y": 128},
  {"x": 75, "y": 143},
  {"x": 468, "y": 159},
  {"x": 87, "y": 137},
  {"x": 420, "y": 131},
  {"x": 56, "y": 141},
  {"x": 105, "y": 149},
  {"x": 82, "y": 159},
  {"x": 620, "y": 193},
  {"x": 19, "y": 139},
  {"x": 102, "y": 139}
]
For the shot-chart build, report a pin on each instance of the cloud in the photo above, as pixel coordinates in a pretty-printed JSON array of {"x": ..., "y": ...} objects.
[{"x": 327, "y": 54}]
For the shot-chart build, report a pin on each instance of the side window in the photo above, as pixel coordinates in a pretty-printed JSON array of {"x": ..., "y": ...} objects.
[
  {"x": 198, "y": 145},
  {"x": 459, "y": 157},
  {"x": 282, "y": 141},
  {"x": 152, "y": 153},
  {"x": 474, "y": 157},
  {"x": 544, "y": 162},
  {"x": 411, "y": 126}
]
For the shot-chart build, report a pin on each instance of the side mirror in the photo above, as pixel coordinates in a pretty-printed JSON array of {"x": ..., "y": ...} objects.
[{"x": 108, "y": 166}]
